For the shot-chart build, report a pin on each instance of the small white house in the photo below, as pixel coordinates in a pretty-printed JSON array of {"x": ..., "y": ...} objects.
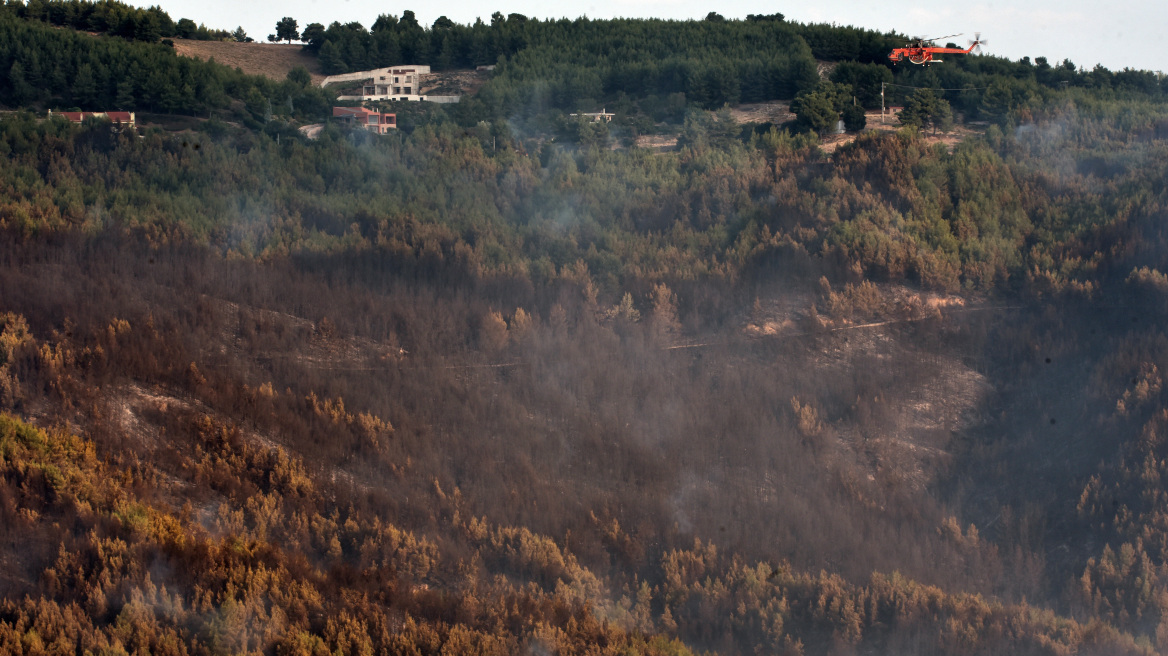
[{"x": 597, "y": 117}]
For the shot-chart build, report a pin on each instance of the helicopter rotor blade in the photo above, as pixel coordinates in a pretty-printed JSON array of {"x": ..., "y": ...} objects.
[{"x": 938, "y": 38}]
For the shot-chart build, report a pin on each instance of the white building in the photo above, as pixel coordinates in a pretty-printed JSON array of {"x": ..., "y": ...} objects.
[
  {"x": 391, "y": 83},
  {"x": 597, "y": 117}
]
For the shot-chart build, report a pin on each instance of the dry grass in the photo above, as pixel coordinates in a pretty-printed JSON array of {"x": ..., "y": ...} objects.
[
  {"x": 272, "y": 60},
  {"x": 657, "y": 141},
  {"x": 891, "y": 124}
]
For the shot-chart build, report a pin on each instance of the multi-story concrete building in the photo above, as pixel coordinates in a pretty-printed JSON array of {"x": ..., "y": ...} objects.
[
  {"x": 391, "y": 83},
  {"x": 396, "y": 83}
]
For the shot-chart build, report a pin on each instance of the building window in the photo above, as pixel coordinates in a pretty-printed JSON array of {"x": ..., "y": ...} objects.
[
  {"x": 397, "y": 89},
  {"x": 395, "y": 80},
  {"x": 407, "y": 91},
  {"x": 372, "y": 120}
]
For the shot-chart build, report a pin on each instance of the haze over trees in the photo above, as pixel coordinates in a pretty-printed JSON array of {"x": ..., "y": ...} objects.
[{"x": 496, "y": 385}]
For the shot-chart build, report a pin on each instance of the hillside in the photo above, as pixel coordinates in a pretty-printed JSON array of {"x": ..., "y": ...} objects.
[
  {"x": 271, "y": 60},
  {"x": 504, "y": 381}
]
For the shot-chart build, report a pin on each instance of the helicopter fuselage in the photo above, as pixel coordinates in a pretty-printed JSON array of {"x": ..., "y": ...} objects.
[{"x": 923, "y": 54}]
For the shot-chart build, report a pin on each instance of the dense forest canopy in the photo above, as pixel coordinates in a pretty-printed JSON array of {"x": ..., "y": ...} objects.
[
  {"x": 576, "y": 64},
  {"x": 503, "y": 383}
]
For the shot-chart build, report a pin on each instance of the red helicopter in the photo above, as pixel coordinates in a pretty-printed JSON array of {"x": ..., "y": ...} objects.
[{"x": 921, "y": 51}]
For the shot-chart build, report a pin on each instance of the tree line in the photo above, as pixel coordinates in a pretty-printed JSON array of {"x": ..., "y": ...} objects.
[{"x": 114, "y": 19}]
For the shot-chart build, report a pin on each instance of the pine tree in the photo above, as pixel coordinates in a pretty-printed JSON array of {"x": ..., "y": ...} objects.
[
  {"x": 925, "y": 109},
  {"x": 330, "y": 59},
  {"x": 22, "y": 91},
  {"x": 124, "y": 99},
  {"x": 84, "y": 86},
  {"x": 287, "y": 29}
]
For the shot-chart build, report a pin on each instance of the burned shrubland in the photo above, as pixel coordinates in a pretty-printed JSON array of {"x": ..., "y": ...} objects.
[{"x": 430, "y": 393}]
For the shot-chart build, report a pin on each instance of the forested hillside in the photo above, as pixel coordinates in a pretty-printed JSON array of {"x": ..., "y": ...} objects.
[
  {"x": 488, "y": 385},
  {"x": 636, "y": 65},
  {"x": 54, "y": 68}
]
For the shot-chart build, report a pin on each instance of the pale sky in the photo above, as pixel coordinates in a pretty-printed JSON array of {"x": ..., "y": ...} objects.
[{"x": 1117, "y": 34}]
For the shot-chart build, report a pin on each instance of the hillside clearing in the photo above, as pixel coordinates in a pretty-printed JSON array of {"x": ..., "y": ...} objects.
[{"x": 272, "y": 60}]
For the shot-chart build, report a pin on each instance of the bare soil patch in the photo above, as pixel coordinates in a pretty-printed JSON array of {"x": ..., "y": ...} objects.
[
  {"x": 272, "y": 60},
  {"x": 891, "y": 123},
  {"x": 453, "y": 83},
  {"x": 772, "y": 112},
  {"x": 657, "y": 141}
]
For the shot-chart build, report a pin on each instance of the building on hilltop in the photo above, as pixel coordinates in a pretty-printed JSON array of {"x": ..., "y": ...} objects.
[
  {"x": 119, "y": 119},
  {"x": 367, "y": 119},
  {"x": 390, "y": 83},
  {"x": 400, "y": 82}
]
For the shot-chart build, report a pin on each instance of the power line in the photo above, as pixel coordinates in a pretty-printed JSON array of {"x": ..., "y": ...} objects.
[{"x": 906, "y": 86}]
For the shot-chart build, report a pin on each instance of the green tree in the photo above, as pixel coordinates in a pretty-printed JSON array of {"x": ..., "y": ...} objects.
[
  {"x": 147, "y": 28},
  {"x": 124, "y": 96},
  {"x": 186, "y": 28},
  {"x": 1003, "y": 96},
  {"x": 239, "y": 35},
  {"x": 173, "y": 99},
  {"x": 330, "y": 59},
  {"x": 854, "y": 118},
  {"x": 819, "y": 109},
  {"x": 813, "y": 111},
  {"x": 213, "y": 96},
  {"x": 287, "y": 29},
  {"x": 22, "y": 91},
  {"x": 925, "y": 109},
  {"x": 865, "y": 80},
  {"x": 257, "y": 103},
  {"x": 300, "y": 76},
  {"x": 313, "y": 36},
  {"x": 84, "y": 86}
]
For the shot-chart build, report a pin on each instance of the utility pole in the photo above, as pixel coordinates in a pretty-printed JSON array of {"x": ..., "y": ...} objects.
[{"x": 881, "y": 103}]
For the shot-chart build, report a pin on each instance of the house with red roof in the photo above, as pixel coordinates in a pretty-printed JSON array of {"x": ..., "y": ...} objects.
[
  {"x": 119, "y": 119},
  {"x": 378, "y": 122}
]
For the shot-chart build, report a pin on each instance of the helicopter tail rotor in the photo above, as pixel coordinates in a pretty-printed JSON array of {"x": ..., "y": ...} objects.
[{"x": 976, "y": 44}]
